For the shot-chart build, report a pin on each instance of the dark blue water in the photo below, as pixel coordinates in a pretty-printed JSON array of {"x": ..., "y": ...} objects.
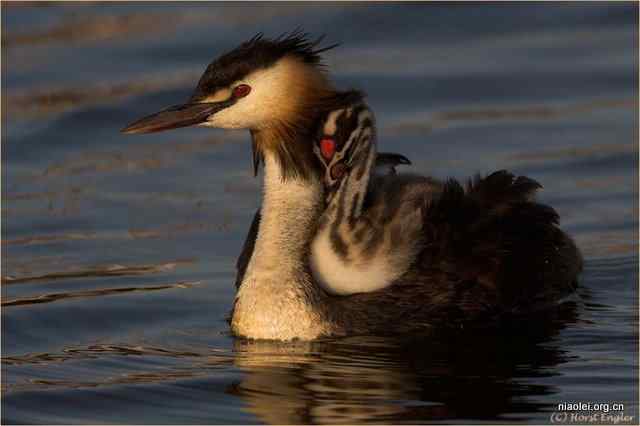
[{"x": 118, "y": 253}]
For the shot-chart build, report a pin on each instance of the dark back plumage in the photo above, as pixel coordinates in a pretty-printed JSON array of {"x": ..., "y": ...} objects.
[
  {"x": 491, "y": 252},
  {"x": 495, "y": 236}
]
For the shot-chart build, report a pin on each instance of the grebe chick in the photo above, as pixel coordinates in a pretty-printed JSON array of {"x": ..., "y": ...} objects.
[
  {"x": 356, "y": 250},
  {"x": 385, "y": 165},
  {"x": 488, "y": 250}
]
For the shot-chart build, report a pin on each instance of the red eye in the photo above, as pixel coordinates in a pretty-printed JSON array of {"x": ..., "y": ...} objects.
[
  {"x": 328, "y": 148},
  {"x": 241, "y": 91}
]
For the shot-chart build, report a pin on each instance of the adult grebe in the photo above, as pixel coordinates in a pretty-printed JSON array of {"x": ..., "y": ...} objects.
[{"x": 487, "y": 252}]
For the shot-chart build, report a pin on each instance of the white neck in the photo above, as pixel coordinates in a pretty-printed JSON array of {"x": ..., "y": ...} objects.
[{"x": 277, "y": 299}]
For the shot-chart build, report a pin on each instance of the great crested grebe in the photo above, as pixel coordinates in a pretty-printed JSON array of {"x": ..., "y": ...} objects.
[
  {"x": 355, "y": 251},
  {"x": 486, "y": 252}
]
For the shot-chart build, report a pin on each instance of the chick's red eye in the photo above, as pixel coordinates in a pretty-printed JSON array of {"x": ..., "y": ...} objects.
[{"x": 241, "y": 91}]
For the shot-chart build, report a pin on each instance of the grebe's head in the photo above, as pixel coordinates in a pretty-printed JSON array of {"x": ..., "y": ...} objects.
[
  {"x": 345, "y": 142},
  {"x": 260, "y": 84},
  {"x": 274, "y": 87}
]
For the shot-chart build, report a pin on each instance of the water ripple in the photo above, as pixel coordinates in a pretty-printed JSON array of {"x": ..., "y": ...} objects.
[{"x": 54, "y": 297}]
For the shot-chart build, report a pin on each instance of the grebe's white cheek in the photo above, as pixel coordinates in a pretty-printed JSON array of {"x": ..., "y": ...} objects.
[
  {"x": 229, "y": 118},
  {"x": 256, "y": 110}
]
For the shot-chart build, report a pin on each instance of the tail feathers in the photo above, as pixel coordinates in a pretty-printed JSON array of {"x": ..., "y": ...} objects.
[
  {"x": 501, "y": 248},
  {"x": 500, "y": 188},
  {"x": 499, "y": 196}
]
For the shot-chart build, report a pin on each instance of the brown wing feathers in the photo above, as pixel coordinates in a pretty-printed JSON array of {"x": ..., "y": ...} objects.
[{"x": 495, "y": 237}]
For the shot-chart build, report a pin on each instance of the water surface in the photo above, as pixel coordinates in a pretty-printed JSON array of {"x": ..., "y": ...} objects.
[{"x": 118, "y": 252}]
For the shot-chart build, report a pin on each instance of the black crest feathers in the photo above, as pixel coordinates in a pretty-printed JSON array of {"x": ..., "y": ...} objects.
[{"x": 256, "y": 53}]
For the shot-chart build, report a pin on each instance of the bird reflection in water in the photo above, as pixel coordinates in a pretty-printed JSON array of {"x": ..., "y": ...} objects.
[{"x": 457, "y": 375}]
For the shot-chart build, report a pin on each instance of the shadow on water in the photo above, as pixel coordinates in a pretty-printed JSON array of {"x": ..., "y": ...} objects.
[
  {"x": 465, "y": 375},
  {"x": 454, "y": 376}
]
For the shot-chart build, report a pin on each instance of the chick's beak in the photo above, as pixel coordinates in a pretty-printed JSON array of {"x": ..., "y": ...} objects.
[{"x": 176, "y": 116}]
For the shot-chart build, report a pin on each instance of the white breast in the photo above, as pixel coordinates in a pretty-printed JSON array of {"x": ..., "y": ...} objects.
[{"x": 339, "y": 277}]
